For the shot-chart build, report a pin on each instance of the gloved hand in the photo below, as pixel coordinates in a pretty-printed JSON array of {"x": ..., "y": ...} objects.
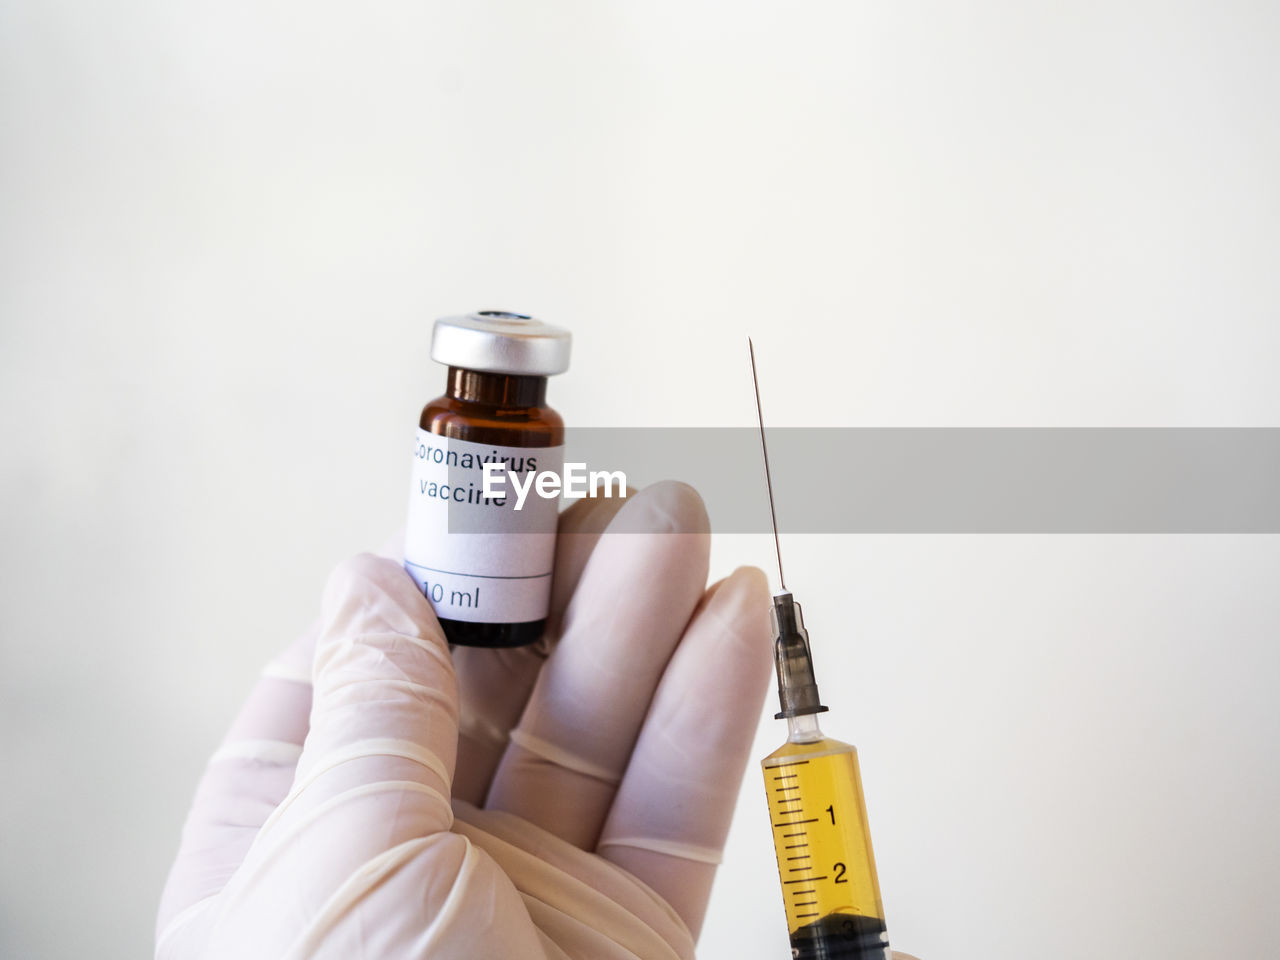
[{"x": 378, "y": 798}]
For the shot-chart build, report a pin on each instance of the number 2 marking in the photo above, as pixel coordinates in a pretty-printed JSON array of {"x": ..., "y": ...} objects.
[{"x": 840, "y": 877}]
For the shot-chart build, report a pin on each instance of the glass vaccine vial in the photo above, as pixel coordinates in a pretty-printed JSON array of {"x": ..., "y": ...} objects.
[{"x": 484, "y": 565}]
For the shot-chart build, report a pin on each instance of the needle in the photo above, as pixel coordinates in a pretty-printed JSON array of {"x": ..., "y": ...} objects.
[{"x": 765, "y": 451}]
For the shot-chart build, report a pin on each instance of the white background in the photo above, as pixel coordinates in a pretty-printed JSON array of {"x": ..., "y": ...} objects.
[{"x": 224, "y": 231}]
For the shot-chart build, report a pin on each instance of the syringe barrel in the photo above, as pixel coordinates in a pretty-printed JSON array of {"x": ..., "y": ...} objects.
[{"x": 826, "y": 867}]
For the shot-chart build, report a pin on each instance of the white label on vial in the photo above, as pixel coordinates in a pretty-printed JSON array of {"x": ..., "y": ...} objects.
[{"x": 476, "y": 559}]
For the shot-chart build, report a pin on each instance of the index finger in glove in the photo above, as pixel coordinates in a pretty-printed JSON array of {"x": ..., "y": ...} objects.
[
  {"x": 494, "y": 685},
  {"x": 671, "y": 816},
  {"x": 635, "y": 596}
]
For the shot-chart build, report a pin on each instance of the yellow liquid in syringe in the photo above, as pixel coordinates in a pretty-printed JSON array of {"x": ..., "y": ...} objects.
[{"x": 823, "y": 845}]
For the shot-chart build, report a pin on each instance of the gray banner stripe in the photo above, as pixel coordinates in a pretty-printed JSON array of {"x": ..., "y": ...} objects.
[{"x": 974, "y": 480}]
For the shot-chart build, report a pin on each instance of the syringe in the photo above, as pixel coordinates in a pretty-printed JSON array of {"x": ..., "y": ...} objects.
[{"x": 814, "y": 789}]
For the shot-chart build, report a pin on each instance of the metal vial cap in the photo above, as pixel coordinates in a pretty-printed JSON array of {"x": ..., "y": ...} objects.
[{"x": 496, "y": 341}]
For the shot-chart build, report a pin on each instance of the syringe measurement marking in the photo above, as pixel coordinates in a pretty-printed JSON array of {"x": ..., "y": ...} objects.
[{"x": 790, "y": 807}]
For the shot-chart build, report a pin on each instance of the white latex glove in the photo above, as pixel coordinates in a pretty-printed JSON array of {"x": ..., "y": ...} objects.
[{"x": 377, "y": 798}]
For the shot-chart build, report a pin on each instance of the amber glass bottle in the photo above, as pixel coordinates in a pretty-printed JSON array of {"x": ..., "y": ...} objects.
[{"x": 484, "y": 565}]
